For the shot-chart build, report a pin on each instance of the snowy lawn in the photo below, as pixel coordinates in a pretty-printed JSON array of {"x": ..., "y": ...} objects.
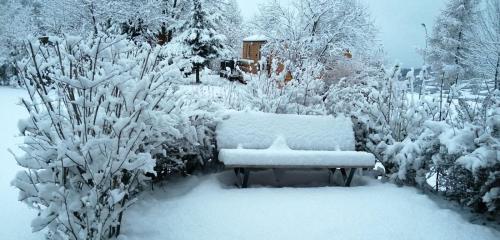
[
  {"x": 211, "y": 208},
  {"x": 215, "y": 89},
  {"x": 15, "y": 217}
]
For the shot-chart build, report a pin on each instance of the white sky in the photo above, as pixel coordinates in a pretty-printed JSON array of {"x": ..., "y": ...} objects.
[{"x": 399, "y": 23}]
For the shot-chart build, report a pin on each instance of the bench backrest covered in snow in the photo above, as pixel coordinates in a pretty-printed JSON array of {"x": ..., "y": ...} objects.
[
  {"x": 250, "y": 140},
  {"x": 260, "y": 130}
]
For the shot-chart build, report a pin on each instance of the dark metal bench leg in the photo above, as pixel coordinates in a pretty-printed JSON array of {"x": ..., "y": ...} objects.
[
  {"x": 351, "y": 175},
  {"x": 246, "y": 176},
  {"x": 239, "y": 177},
  {"x": 331, "y": 175},
  {"x": 344, "y": 174}
]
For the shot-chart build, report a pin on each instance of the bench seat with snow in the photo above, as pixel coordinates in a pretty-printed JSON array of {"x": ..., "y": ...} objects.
[{"x": 252, "y": 141}]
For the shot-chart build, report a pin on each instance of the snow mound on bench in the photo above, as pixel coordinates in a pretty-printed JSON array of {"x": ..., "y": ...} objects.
[{"x": 255, "y": 130}]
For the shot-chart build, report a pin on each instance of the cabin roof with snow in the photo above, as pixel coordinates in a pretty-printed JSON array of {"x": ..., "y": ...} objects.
[{"x": 256, "y": 38}]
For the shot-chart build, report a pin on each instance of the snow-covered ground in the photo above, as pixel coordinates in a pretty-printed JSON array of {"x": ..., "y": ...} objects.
[
  {"x": 216, "y": 90},
  {"x": 15, "y": 217},
  {"x": 210, "y": 208}
]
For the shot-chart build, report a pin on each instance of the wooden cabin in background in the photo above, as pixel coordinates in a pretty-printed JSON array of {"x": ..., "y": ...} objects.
[{"x": 252, "y": 54}]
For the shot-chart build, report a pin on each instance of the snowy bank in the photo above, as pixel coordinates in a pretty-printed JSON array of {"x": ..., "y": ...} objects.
[
  {"x": 15, "y": 217},
  {"x": 210, "y": 208}
]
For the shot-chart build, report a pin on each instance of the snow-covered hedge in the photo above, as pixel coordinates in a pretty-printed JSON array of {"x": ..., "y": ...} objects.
[
  {"x": 8, "y": 76},
  {"x": 467, "y": 159},
  {"x": 451, "y": 148},
  {"x": 193, "y": 148},
  {"x": 97, "y": 122}
]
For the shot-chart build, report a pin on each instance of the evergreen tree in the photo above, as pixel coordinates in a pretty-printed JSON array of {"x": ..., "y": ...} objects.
[
  {"x": 204, "y": 43},
  {"x": 451, "y": 40}
]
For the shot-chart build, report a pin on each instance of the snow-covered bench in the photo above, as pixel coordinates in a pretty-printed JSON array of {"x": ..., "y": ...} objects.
[{"x": 251, "y": 140}]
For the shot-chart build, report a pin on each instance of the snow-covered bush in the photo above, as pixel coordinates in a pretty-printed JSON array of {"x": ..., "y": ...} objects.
[
  {"x": 461, "y": 153},
  {"x": 304, "y": 94},
  {"x": 194, "y": 147},
  {"x": 383, "y": 105},
  {"x": 354, "y": 96},
  {"x": 477, "y": 145},
  {"x": 96, "y": 123},
  {"x": 418, "y": 139},
  {"x": 466, "y": 161}
]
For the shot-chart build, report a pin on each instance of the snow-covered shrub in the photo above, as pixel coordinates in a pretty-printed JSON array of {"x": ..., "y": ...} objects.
[
  {"x": 462, "y": 154},
  {"x": 194, "y": 147},
  {"x": 467, "y": 164},
  {"x": 354, "y": 96},
  {"x": 385, "y": 111},
  {"x": 96, "y": 122},
  {"x": 408, "y": 135},
  {"x": 304, "y": 94},
  {"x": 483, "y": 161},
  {"x": 404, "y": 162}
]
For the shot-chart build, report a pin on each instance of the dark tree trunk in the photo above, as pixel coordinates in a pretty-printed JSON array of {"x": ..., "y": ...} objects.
[
  {"x": 457, "y": 60},
  {"x": 198, "y": 81},
  {"x": 165, "y": 36},
  {"x": 437, "y": 180},
  {"x": 94, "y": 21},
  {"x": 497, "y": 84},
  {"x": 441, "y": 99}
]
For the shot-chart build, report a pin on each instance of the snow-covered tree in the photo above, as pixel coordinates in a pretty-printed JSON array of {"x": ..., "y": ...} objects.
[
  {"x": 203, "y": 43},
  {"x": 311, "y": 41},
  {"x": 485, "y": 54},
  {"x": 22, "y": 19},
  {"x": 15, "y": 25},
  {"x": 323, "y": 31},
  {"x": 83, "y": 17},
  {"x": 450, "y": 42},
  {"x": 232, "y": 27}
]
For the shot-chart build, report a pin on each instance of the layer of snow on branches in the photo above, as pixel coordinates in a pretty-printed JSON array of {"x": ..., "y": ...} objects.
[{"x": 253, "y": 130}]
